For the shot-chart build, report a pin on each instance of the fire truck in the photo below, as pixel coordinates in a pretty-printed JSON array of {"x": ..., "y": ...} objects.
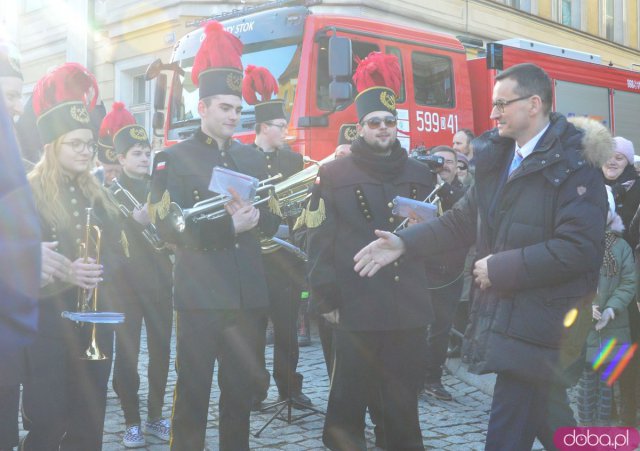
[{"x": 313, "y": 56}]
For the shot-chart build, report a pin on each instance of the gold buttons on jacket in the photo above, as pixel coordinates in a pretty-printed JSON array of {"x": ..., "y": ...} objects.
[
  {"x": 74, "y": 201},
  {"x": 268, "y": 166},
  {"x": 76, "y": 214},
  {"x": 392, "y": 220},
  {"x": 396, "y": 279},
  {"x": 222, "y": 154},
  {"x": 390, "y": 205},
  {"x": 237, "y": 245}
]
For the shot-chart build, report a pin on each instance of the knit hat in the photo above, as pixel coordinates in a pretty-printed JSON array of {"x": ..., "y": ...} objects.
[
  {"x": 9, "y": 62},
  {"x": 119, "y": 129},
  {"x": 259, "y": 81},
  {"x": 625, "y": 147},
  {"x": 217, "y": 67},
  {"x": 62, "y": 100},
  {"x": 378, "y": 80},
  {"x": 462, "y": 158}
]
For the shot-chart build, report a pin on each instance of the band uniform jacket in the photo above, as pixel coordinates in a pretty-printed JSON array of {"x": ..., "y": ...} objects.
[
  {"x": 144, "y": 272},
  {"x": 214, "y": 267},
  {"x": 355, "y": 205},
  {"x": 59, "y": 296},
  {"x": 286, "y": 162}
]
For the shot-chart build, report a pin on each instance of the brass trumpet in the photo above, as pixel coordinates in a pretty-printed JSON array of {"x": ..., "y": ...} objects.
[
  {"x": 127, "y": 204},
  {"x": 213, "y": 208},
  {"x": 88, "y": 298}
]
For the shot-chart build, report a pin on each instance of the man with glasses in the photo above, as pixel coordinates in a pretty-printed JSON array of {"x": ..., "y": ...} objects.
[
  {"x": 537, "y": 215},
  {"x": 445, "y": 279},
  {"x": 380, "y": 322},
  {"x": 282, "y": 268}
]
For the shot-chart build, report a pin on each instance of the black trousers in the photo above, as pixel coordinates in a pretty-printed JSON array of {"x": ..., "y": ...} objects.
[
  {"x": 380, "y": 364},
  {"x": 64, "y": 397},
  {"x": 284, "y": 299},
  {"x": 204, "y": 336},
  {"x": 523, "y": 410},
  {"x": 444, "y": 301},
  {"x": 11, "y": 375},
  {"x": 158, "y": 317}
]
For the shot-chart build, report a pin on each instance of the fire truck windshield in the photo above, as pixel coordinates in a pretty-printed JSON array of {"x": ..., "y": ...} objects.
[{"x": 282, "y": 60}]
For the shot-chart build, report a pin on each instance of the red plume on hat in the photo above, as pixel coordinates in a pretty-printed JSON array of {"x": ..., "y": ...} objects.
[
  {"x": 218, "y": 49},
  {"x": 378, "y": 69},
  {"x": 258, "y": 81},
  {"x": 117, "y": 118},
  {"x": 69, "y": 82}
]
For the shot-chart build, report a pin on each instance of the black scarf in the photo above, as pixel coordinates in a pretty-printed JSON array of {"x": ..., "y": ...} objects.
[{"x": 382, "y": 167}]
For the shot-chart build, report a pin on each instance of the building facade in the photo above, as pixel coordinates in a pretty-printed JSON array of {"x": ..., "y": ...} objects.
[{"x": 118, "y": 39}]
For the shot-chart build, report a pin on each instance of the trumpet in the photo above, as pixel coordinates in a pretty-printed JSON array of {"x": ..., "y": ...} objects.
[
  {"x": 88, "y": 298},
  {"x": 432, "y": 198},
  {"x": 127, "y": 204},
  {"x": 213, "y": 208}
]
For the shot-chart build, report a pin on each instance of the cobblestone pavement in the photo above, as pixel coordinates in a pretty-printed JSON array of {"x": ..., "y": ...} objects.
[{"x": 457, "y": 425}]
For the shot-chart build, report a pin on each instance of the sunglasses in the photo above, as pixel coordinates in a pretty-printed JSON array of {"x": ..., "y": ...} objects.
[
  {"x": 376, "y": 122},
  {"x": 462, "y": 167}
]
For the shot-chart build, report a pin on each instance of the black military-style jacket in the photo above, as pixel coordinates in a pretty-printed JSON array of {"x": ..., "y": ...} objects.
[
  {"x": 282, "y": 262},
  {"x": 59, "y": 296},
  {"x": 144, "y": 273},
  {"x": 214, "y": 268},
  {"x": 282, "y": 161},
  {"x": 353, "y": 204}
]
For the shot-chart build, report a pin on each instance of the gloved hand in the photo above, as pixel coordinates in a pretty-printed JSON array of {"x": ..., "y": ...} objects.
[{"x": 606, "y": 316}]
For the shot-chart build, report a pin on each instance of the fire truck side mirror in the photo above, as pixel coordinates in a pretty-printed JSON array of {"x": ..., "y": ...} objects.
[
  {"x": 158, "y": 123},
  {"x": 340, "y": 69},
  {"x": 160, "y": 94},
  {"x": 340, "y": 58}
]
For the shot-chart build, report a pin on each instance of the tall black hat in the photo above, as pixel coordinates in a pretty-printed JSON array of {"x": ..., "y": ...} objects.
[
  {"x": 378, "y": 79},
  {"x": 259, "y": 81},
  {"x": 62, "y": 100},
  {"x": 347, "y": 134},
  {"x": 217, "y": 67}
]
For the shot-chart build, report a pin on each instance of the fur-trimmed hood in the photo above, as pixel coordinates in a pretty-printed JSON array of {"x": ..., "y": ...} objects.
[{"x": 597, "y": 142}]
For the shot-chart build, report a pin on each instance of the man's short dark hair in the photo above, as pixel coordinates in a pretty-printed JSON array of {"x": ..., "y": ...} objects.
[
  {"x": 531, "y": 80},
  {"x": 444, "y": 149}
]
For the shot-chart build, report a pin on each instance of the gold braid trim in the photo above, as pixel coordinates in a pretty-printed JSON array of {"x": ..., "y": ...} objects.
[
  {"x": 300, "y": 222},
  {"x": 274, "y": 206},
  {"x": 316, "y": 217},
  {"x": 125, "y": 243},
  {"x": 161, "y": 208}
]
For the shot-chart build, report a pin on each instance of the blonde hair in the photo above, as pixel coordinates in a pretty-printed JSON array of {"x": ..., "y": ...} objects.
[{"x": 46, "y": 180}]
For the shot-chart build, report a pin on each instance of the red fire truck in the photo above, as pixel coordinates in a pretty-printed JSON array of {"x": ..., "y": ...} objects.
[{"x": 313, "y": 57}]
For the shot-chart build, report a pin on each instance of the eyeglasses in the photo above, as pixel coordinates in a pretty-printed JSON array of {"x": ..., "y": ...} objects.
[
  {"x": 280, "y": 126},
  {"x": 78, "y": 145},
  {"x": 375, "y": 122},
  {"x": 501, "y": 104}
]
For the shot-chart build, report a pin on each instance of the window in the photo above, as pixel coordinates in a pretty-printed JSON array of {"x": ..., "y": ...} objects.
[
  {"x": 132, "y": 89},
  {"x": 396, "y": 51},
  {"x": 570, "y": 13},
  {"x": 612, "y": 20},
  {"x": 359, "y": 49},
  {"x": 523, "y": 5},
  {"x": 433, "y": 80},
  {"x": 139, "y": 94}
]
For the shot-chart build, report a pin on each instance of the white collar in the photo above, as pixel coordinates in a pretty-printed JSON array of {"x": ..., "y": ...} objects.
[{"x": 526, "y": 150}]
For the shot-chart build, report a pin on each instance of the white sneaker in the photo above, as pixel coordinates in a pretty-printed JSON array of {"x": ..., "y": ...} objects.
[
  {"x": 133, "y": 437},
  {"x": 160, "y": 428}
]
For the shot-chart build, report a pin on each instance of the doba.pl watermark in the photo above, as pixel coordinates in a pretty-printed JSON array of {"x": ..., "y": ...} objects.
[{"x": 597, "y": 439}]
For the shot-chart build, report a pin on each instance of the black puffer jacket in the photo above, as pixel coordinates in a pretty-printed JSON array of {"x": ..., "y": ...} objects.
[{"x": 544, "y": 228}]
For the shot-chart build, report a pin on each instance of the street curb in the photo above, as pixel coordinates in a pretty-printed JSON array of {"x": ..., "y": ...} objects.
[{"x": 484, "y": 382}]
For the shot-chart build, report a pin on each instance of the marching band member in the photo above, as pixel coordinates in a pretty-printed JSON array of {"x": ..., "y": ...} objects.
[
  {"x": 284, "y": 280},
  {"x": 378, "y": 321},
  {"x": 144, "y": 284},
  {"x": 220, "y": 289},
  {"x": 64, "y": 397}
]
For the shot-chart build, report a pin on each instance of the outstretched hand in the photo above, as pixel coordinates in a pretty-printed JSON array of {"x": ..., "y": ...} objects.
[{"x": 379, "y": 253}]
